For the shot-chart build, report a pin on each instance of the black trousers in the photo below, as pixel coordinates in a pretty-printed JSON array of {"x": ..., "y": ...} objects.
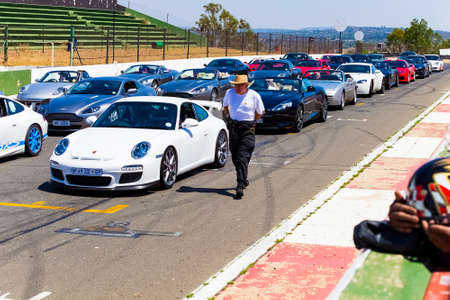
[{"x": 242, "y": 144}]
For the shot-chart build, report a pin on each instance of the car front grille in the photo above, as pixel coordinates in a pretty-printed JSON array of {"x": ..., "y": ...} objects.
[
  {"x": 88, "y": 180},
  {"x": 130, "y": 177},
  {"x": 70, "y": 117},
  {"x": 180, "y": 95},
  {"x": 58, "y": 174}
]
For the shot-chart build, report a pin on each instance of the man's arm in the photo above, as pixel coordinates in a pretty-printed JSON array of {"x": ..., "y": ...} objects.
[{"x": 258, "y": 116}]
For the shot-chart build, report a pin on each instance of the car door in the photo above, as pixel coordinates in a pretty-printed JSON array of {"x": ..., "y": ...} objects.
[
  {"x": 309, "y": 99},
  {"x": 14, "y": 126},
  {"x": 206, "y": 135},
  {"x": 378, "y": 78},
  {"x": 190, "y": 139}
]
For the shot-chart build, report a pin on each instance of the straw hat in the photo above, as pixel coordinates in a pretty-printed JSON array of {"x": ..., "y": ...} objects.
[{"x": 240, "y": 79}]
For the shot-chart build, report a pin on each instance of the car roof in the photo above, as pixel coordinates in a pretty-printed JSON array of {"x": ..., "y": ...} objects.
[
  {"x": 358, "y": 63},
  {"x": 164, "y": 99}
]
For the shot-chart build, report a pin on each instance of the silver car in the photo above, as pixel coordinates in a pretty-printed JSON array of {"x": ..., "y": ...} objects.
[
  {"x": 340, "y": 88},
  {"x": 50, "y": 86}
]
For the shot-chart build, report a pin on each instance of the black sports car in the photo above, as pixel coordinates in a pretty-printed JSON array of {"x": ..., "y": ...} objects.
[
  {"x": 276, "y": 68},
  {"x": 202, "y": 84},
  {"x": 296, "y": 56},
  {"x": 337, "y": 60},
  {"x": 151, "y": 75},
  {"x": 421, "y": 64},
  {"x": 360, "y": 58},
  {"x": 390, "y": 73},
  {"x": 228, "y": 65},
  {"x": 290, "y": 102}
]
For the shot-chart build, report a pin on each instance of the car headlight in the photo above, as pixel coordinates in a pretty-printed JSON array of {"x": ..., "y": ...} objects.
[
  {"x": 61, "y": 147},
  {"x": 59, "y": 91},
  {"x": 140, "y": 150},
  {"x": 200, "y": 90},
  {"x": 283, "y": 106},
  {"x": 362, "y": 81},
  {"x": 147, "y": 81},
  {"x": 23, "y": 89},
  {"x": 43, "y": 109},
  {"x": 91, "y": 110}
]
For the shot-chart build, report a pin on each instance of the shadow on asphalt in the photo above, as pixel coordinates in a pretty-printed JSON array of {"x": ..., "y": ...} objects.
[{"x": 224, "y": 192}]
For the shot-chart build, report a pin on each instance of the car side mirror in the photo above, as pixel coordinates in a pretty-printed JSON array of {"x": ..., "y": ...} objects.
[
  {"x": 205, "y": 65},
  {"x": 189, "y": 122},
  {"x": 131, "y": 91},
  {"x": 62, "y": 90},
  {"x": 310, "y": 88},
  {"x": 37, "y": 80},
  {"x": 121, "y": 72}
]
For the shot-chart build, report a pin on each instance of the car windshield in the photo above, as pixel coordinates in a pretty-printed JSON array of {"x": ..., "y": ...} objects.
[
  {"x": 416, "y": 60},
  {"x": 276, "y": 85},
  {"x": 307, "y": 63},
  {"x": 381, "y": 65},
  {"x": 398, "y": 64},
  {"x": 273, "y": 65},
  {"x": 376, "y": 56},
  {"x": 255, "y": 61},
  {"x": 339, "y": 59},
  {"x": 142, "y": 69},
  {"x": 432, "y": 57},
  {"x": 354, "y": 68},
  {"x": 96, "y": 86},
  {"x": 196, "y": 74},
  {"x": 149, "y": 115},
  {"x": 360, "y": 58},
  {"x": 324, "y": 75},
  {"x": 60, "y": 76},
  {"x": 295, "y": 56},
  {"x": 222, "y": 63}
]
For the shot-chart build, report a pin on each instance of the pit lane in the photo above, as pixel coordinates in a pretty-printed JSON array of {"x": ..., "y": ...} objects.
[{"x": 286, "y": 171}]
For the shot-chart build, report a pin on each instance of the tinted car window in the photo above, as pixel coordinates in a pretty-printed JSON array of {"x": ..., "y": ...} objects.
[
  {"x": 186, "y": 112},
  {"x": 355, "y": 68},
  {"x": 13, "y": 107},
  {"x": 200, "y": 112},
  {"x": 398, "y": 64},
  {"x": 101, "y": 87},
  {"x": 3, "y": 111},
  {"x": 273, "y": 65}
]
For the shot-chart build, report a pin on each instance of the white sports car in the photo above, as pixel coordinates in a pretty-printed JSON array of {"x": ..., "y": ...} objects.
[
  {"x": 139, "y": 142},
  {"x": 437, "y": 64},
  {"x": 368, "y": 79},
  {"x": 21, "y": 129}
]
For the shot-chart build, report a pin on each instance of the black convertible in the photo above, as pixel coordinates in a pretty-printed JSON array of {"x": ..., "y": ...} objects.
[{"x": 290, "y": 102}]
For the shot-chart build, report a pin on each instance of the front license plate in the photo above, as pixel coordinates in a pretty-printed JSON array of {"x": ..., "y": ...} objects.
[
  {"x": 86, "y": 172},
  {"x": 61, "y": 123},
  {"x": 259, "y": 121}
]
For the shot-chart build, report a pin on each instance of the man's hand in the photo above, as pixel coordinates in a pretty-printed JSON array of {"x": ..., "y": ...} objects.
[
  {"x": 439, "y": 235},
  {"x": 402, "y": 216}
]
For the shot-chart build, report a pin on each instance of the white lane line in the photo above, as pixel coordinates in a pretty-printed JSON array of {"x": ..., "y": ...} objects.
[
  {"x": 3, "y": 297},
  {"x": 41, "y": 296},
  {"x": 414, "y": 147},
  {"x": 232, "y": 270},
  {"x": 352, "y": 120}
]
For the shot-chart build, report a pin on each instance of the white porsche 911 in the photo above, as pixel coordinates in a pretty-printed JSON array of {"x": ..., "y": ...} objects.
[
  {"x": 368, "y": 79},
  {"x": 21, "y": 129},
  {"x": 139, "y": 142}
]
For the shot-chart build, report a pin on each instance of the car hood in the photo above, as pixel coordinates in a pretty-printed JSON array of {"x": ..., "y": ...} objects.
[
  {"x": 359, "y": 76},
  {"x": 99, "y": 143},
  {"x": 272, "y": 98},
  {"x": 184, "y": 85},
  {"x": 419, "y": 66},
  {"x": 42, "y": 90},
  {"x": 74, "y": 103},
  {"x": 139, "y": 76},
  {"x": 327, "y": 85},
  {"x": 269, "y": 73}
]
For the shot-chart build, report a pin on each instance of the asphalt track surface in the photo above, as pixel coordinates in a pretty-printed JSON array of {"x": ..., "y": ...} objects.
[{"x": 286, "y": 171}]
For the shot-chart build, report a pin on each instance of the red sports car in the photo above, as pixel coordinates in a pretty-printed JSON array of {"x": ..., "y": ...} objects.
[
  {"x": 308, "y": 65},
  {"x": 326, "y": 58},
  {"x": 406, "y": 71},
  {"x": 254, "y": 63}
]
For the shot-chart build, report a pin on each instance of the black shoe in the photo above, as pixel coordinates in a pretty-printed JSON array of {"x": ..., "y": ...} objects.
[
  {"x": 246, "y": 183},
  {"x": 239, "y": 192}
]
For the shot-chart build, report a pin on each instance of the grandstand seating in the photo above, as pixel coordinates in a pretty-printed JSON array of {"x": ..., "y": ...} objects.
[{"x": 35, "y": 25}]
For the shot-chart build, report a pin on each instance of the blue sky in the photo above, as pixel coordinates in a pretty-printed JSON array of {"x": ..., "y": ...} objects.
[{"x": 297, "y": 14}]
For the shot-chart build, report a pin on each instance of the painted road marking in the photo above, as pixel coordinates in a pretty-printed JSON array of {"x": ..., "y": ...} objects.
[
  {"x": 414, "y": 147},
  {"x": 437, "y": 117},
  {"x": 41, "y": 296},
  {"x": 41, "y": 205},
  {"x": 360, "y": 104}
]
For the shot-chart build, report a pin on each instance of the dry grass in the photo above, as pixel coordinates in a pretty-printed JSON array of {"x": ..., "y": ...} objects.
[{"x": 24, "y": 56}]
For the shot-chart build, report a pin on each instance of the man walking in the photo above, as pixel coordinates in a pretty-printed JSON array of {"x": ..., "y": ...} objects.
[{"x": 243, "y": 107}]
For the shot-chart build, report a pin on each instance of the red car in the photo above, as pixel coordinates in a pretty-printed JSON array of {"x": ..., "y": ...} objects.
[
  {"x": 326, "y": 58},
  {"x": 406, "y": 71},
  {"x": 308, "y": 65},
  {"x": 254, "y": 63}
]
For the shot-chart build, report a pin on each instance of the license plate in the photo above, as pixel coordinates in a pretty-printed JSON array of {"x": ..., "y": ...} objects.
[
  {"x": 61, "y": 123},
  {"x": 259, "y": 121},
  {"x": 86, "y": 172}
]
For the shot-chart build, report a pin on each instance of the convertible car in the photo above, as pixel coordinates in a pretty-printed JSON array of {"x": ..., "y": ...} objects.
[
  {"x": 276, "y": 68},
  {"x": 368, "y": 79},
  {"x": 228, "y": 65},
  {"x": 254, "y": 63},
  {"x": 406, "y": 71},
  {"x": 290, "y": 102},
  {"x": 151, "y": 75},
  {"x": 203, "y": 84},
  {"x": 296, "y": 56},
  {"x": 339, "y": 88},
  {"x": 391, "y": 77},
  {"x": 50, "y": 86},
  {"x": 86, "y": 100},
  {"x": 337, "y": 60},
  {"x": 21, "y": 129},
  {"x": 160, "y": 138}
]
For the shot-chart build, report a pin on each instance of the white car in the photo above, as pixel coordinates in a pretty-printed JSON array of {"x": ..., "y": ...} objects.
[
  {"x": 139, "y": 142},
  {"x": 437, "y": 64},
  {"x": 21, "y": 129},
  {"x": 368, "y": 79}
]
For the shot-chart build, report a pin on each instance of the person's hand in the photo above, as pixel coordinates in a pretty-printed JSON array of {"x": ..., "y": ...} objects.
[
  {"x": 402, "y": 217},
  {"x": 439, "y": 235}
]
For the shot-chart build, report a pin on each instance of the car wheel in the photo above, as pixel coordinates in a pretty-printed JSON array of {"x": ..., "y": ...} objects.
[
  {"x": 370, "y": 89},
  {"x": 213, "y": 95},
  {"x": 409, "y": 79},
  {"x": 414, "y": 76},
  {"x": 298, "y": 120},
  {"x": 397, "y": 81},
  {"x": 388, "y": 85},
  {"x": 221, "y": 154},
  {"x": 355, "y": 93},
  {"x": 169, "y": 168},
  {"x": 342, "y": 104},
  {"x": 155, "y": 84},
  {"x": 324, "y": 110},
  {"x": 33, "y": 140},
  {"x": 383, "y": 85}
]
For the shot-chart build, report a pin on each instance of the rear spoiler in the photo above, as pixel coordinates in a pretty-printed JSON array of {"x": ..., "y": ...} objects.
[{"x": 209, "y": 104}]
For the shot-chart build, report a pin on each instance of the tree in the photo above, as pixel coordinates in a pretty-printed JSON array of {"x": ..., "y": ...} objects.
[
  {"x": 396, "y": 40},
  {"x": 208, "y": 21},
  {"x": 419, "y": 37}
]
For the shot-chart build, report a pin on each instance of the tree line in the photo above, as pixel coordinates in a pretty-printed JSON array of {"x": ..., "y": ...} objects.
[{"x": 418, "y": 37}]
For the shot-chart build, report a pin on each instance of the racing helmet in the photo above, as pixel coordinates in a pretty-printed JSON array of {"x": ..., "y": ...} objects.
[{"x": 429, "y": 189}]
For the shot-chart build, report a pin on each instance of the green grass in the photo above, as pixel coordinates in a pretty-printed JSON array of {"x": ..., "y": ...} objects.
[{"x": 11, "y": 81}]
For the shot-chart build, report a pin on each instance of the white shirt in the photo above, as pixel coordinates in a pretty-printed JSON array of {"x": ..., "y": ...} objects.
[{"x": 243, "y": 107}]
